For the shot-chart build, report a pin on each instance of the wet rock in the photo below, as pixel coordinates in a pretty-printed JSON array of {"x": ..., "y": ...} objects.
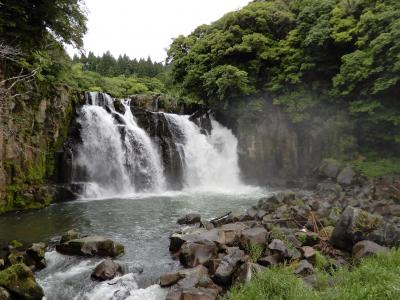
[
  {"x": 19, "y": 280},
  {"x": 4, "y": 294},
  {"x": 119, "y": 107},
  {"x": 36, "y": 255},
  {"x": 91, "y": 246},
  {"x": 304, "y": 268},
  {"x": 367, "y": 248},
  {"x": 169, "y": 279},
  {"x": 192, "y": 277},
  {"x": 270, "y": 260},
  {"x": 196, "y": 253},
  {"x": 70, "y": 235},
  {"x": 356, "y": 225},
  {"x": 228, "y": 265},
  {"x": 253, "y": 236},
  {"x": 106, "y": 270},
  {"x": 346, "y": 176},
  {"x": 16, "y": 257},
  {"x": 189, "y": 219},
  {"x": 245, "y": 273}
]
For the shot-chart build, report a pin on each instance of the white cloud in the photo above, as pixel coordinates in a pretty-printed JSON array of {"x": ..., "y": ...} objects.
[{"x": 142, "y": 28}]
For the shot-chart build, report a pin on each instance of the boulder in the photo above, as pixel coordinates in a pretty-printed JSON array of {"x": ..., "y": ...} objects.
[
  {"x": 106, "y": 270},
  {"x": 270, "y": 260},
  {"x": 367, "y": 248},
  {"x": 253, "y": 236},
  {"x": 189, "y": 219},
  {"x": 169, "y": 279},
  {"x": 356, "y": 225},
  {"x": 308, "y": 252},
  {"x": 19, "y": 280},
  {"x": 192, "y": 277},
  {"x": 36, "y": 255},
  {"x": 196, "y": 253},
  {"x": 228, "y": 265},
  {"x": 252, "y": 213},
  {"x": 192, "y": 294},
  {"x": 329, "y": 168},
  {"x": 279, "y": 247},
  {"x": 346, "y": 176},
  {"x": 70, "y": 235},
  {"x": 231, "y": 233},
  {"x": 4, "y": 294},
  {"x": 91, "y": 246},
  {"x": 194, "y": 235},
  {"x": 304, "y": 268},
  {"x": 245, "y": 273}
]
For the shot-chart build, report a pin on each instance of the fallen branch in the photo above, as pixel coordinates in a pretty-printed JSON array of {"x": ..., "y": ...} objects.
[{"x": 219, "y": 218}]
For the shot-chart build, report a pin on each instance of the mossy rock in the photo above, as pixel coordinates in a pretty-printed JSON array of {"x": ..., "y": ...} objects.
[{"x": 19, "y": 280}]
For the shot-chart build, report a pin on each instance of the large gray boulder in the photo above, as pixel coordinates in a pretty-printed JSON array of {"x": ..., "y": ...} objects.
[
  {"x": 91, "y": 246},
  {"x": 189, "y": 219},
  {"x": 228, "y": 265},
  {"x": 253, "y": 236},
  {"x": 106, "y": 270},
  {"x": 196, "y": 253},
  {"x": 346, "y": 176},
  {"x": 367, "y": 248},
  {"x": 356, "y": 225}
]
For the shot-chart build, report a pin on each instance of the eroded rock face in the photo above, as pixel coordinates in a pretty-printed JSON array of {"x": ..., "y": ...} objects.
[
  {"x": 19, "y": 280},
  {"x": 91, "y": 246},
  {"x": 106, "y": 270}
]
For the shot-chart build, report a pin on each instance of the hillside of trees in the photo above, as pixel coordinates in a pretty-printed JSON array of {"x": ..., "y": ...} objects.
[{"x": 304, "y": 54}]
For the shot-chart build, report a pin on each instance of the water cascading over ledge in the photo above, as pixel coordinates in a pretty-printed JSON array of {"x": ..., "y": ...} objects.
[{"x": 122, "y": 150}]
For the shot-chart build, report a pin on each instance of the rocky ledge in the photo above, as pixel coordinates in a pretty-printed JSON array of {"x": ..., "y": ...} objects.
[{"x": 335, "y": 224}]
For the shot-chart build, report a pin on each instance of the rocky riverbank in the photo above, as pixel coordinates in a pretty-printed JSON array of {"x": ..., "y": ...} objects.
[{"x": 347, "y": 218}]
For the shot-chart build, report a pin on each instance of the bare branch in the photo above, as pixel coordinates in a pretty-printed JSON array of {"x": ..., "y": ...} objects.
[{"x": 9, "y": 53}]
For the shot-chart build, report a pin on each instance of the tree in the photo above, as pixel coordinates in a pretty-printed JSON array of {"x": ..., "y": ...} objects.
[{"x": 26, "y": 23}]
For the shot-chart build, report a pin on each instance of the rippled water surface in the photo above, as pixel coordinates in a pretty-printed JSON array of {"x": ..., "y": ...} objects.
[{"x": 141, "y": 223}]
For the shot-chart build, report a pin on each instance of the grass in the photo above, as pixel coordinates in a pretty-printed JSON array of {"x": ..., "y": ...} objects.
[
  {"x": 255, "y": 251},
  {"x": 374, "y": 278},
  {"x": 374, "y": 167}
]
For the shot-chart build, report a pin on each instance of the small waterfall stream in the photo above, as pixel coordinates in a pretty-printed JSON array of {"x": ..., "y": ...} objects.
[{"x": 117, "y": 157}]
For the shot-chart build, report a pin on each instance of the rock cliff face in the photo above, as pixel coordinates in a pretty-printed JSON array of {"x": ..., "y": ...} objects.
[
  {"x": 273, "y": 150},
  {"x": 32, "y": 129}
]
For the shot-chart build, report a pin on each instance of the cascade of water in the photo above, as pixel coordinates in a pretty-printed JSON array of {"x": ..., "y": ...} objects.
[
  {"x": 118, "y": 157},
  {"x": 115, "y": 157},
  {"x": 210, "y": 161}
]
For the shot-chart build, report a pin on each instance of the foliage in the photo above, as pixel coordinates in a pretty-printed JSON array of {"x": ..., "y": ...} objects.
[
  {"x": 27, "y": 24},
  {"x": 374, "y": 166},
  {"x": 107, "y": 65},
  {"x": 255, "y": 251},
  {"x": 303, "y": 54},
  {"x": 375, "y": 278}
]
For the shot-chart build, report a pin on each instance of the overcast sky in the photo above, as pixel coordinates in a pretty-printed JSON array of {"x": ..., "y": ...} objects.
[{"x": 141, "y": 28}]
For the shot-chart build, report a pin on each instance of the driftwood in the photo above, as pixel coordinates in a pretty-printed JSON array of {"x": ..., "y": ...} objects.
[{"x": 219, "y": 218}]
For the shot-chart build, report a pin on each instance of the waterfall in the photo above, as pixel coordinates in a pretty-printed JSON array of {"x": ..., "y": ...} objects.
[
  {"x": 211, "y": 161},
  {"x": 118, "y": 157}
]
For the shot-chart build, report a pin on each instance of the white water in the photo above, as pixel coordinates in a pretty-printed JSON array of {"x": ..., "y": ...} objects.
[
  {"x": 114, "y": 155},
  {"x": 211, "y": 161},
  {"x": 120, "y": 159}
]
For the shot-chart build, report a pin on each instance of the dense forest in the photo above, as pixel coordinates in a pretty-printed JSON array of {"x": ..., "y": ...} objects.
[{"x": 305, "y": 55}]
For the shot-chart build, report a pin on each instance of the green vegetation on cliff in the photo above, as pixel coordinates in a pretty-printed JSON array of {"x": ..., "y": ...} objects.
[{"x": 305, "y": 55}]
